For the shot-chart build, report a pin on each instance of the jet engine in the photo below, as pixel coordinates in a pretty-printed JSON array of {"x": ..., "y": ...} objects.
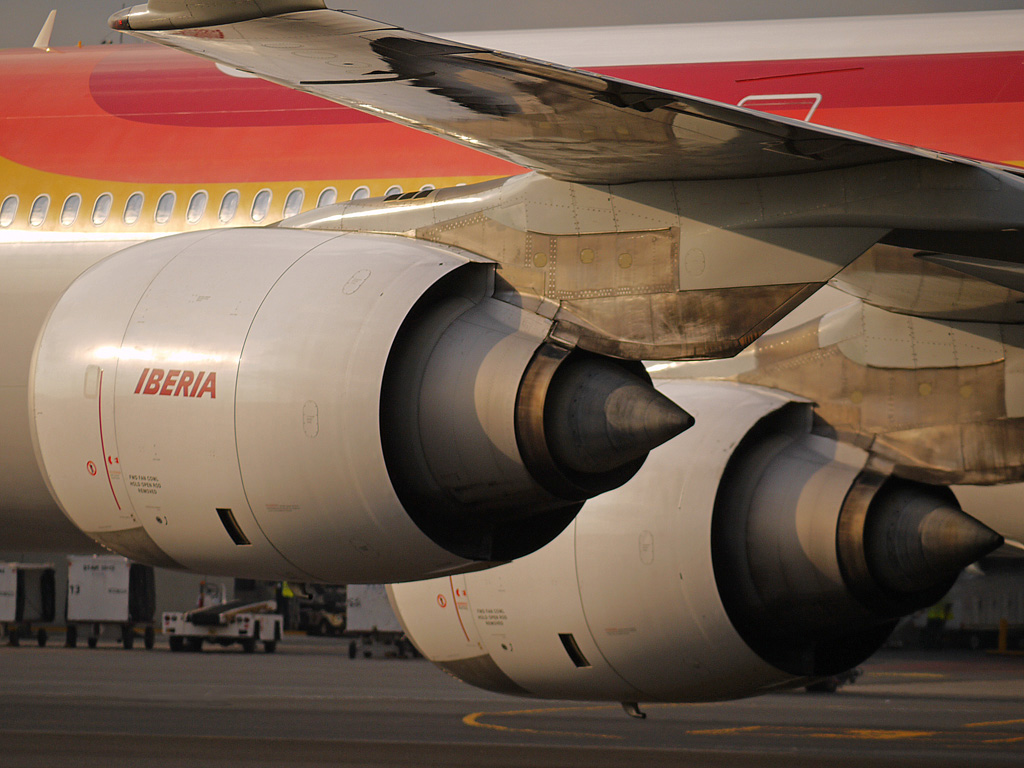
[
  {"x": 313, "y": 406},
  {"x": 748, "y": 553}
]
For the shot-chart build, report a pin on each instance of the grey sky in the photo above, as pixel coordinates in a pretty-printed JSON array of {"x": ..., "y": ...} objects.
[{"x": 85, "y": 20}]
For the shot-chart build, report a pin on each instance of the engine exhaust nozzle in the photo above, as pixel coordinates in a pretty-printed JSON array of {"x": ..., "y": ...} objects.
[{"x": 586, "y": 423}]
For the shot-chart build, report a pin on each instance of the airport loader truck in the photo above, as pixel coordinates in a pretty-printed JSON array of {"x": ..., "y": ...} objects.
[{"x": 225, "y": 622}]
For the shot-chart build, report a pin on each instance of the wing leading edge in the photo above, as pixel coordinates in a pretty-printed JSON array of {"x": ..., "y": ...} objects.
[{"x": 568, "y": 124}]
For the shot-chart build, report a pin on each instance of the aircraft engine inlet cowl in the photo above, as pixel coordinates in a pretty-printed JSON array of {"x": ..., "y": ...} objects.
[{"x": 314, "y": 406}]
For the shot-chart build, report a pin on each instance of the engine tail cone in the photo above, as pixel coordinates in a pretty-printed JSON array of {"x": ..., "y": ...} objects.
[
  {"x": 600, "y": 416},
  {"x": 917, "y": 546}
]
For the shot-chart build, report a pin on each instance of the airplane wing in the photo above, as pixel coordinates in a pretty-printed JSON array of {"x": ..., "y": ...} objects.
[{"x": 565, "y": 123}]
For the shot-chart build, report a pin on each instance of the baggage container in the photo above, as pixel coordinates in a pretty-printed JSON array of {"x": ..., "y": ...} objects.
[
  {"x": 27, "y": 597},
  {"x": 110, "y": 590}
]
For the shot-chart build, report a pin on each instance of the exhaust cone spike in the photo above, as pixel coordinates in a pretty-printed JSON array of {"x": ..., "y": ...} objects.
[
  {"x": 600, "y": 416},
  {"x": 919, "y": 544}
]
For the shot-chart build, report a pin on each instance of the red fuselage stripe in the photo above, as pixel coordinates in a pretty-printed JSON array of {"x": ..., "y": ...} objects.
[{"x": 149, "y": 115}]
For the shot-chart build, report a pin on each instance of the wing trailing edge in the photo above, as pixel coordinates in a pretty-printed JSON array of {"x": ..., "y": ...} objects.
[{"x": 566, "y": 123}]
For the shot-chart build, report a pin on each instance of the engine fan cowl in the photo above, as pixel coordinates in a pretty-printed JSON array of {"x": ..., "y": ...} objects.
[{"x": 291, "y": 404}]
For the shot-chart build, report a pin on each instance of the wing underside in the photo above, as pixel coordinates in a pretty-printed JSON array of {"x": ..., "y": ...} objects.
[{"x": 728, "y": 170}]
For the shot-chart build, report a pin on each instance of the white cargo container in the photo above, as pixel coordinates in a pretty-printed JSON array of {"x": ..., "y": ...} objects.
[
  {"x": 98, "y": 588},
  {"x": 109, "y": 590},
  {"x": 8, "y": 592},
  {"x": 370, "y": 611},
  {"x": 27, "y": 596},
  {"x": 369, "y": 615},
  {"x": 979, "y": 604}
]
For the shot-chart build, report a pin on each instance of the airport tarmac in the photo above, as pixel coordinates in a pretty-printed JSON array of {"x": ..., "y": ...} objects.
[{"x": 309, "y": 704}]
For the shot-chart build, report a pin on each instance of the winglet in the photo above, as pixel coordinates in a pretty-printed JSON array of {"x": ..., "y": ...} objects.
[{"x": 43, "y": 39}]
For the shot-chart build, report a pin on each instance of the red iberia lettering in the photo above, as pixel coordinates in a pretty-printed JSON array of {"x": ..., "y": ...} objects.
[
  {"x": 153, "y": 385},
  {"x": 183, "y": 383},
  {"x": 177, "y": 383},
  {"x": 169, "y": 382},
  {"x": 210, "y": 385},
  {"x": 199, "y": 380}
]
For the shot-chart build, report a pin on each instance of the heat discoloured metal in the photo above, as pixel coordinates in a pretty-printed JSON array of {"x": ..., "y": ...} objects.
[
  {"x": 627, "y": 272},
  {"x": 941, "y": 401},
  {"x": 895, "y": 278}
]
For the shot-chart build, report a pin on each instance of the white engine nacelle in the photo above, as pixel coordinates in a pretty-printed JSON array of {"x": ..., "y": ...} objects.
[
  {"x": 746, "y": 554},
  {"x": 279, "y": 404}
]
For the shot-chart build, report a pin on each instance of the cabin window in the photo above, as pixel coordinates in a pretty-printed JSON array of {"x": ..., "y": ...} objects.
[
  {"x": 7, "y": 210},
  {"x": 101, "y": 209},
  {"x": 133, "y": 208},
  {"x": 164, "y": 208},
  {"x": 196, "y": 207},
  {"x": 69, "y": 212},
  {"x": 328, "y": 197},
  {"x": 228, "y": 206},
  {"x": 361, "y": 193},
  {"x": 293, "y": 203},
  {"x": 261, "y": 205},
  {"x": 393, "y": 191},
  {"x": 40, "y": 207}
]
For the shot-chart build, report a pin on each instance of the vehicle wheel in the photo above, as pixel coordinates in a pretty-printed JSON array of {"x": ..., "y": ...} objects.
[
  {"x": 194, "y": 644},
  {"x": 149, "y": 638},
  {"x": 14, "y": 637},
  {"x": 270, "y": 646},
  {"x": 71, "y": 636},
  {"x": 353, "y": 649},
  {"x": 127, "y": 637},
  {"x": 177, "y": 643},
  {"x": 249, "y": 644},
  {"x": 41, "y": 637},
  {"x": 93, "y": 640}
]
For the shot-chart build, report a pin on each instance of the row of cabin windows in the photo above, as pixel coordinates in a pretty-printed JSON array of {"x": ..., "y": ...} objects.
[{"x": 165, "y": 206}]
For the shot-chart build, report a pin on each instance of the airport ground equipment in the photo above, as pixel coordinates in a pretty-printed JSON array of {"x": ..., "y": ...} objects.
[
  {"x": 110, "y": 590},
  {"x": 322, "y": 610},
  {"x": 225, "y": 623},
  {"x": 27, "y": 595},
  {"x": 988, "y": 603},
  {"x": 372, "y": 624}
]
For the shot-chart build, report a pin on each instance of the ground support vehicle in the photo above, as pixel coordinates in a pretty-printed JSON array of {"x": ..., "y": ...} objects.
[
  {"x": 322, "y": 610},
  {"x": 235, "y": 621}
]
